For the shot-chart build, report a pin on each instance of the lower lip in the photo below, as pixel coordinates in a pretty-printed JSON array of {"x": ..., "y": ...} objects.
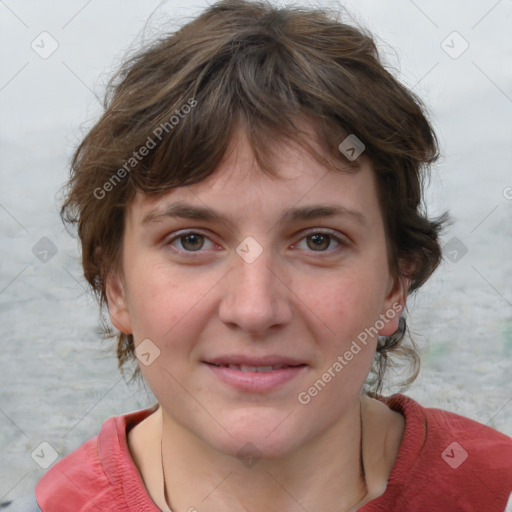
[{"x": 256, "y": 382}]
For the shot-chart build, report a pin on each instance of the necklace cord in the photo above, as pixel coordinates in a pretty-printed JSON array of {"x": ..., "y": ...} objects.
[{"x": 166, "y": 498}]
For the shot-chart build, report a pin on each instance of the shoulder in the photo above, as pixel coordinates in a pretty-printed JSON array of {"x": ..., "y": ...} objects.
[
  {"x": 463, "y": 439},
  {"x": 72, "y": 479},
  {"x": 448, "y": 458},
  {"x": 101, "y": 471},
  {"x": 438, "y": 427},
  {"x": 24, "y": 504}
]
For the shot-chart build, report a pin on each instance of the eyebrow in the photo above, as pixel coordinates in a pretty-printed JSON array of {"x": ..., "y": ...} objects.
[{"x": 184, "y": 210}]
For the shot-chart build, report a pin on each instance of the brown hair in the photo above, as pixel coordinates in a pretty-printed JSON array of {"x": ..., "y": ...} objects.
[{"x": 171, "y": 109}]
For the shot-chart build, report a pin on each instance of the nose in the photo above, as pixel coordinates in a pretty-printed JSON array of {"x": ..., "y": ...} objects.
[{"x": 256, "y": 296}]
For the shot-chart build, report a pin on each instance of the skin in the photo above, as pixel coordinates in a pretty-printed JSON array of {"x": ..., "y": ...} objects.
[{"x": 297, "y": 298}]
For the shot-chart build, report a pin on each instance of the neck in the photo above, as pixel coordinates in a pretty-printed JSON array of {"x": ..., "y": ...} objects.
[{"x": 290, "y": 483}]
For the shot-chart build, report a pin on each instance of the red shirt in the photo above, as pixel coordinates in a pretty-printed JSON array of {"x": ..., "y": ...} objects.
[{"x": 446, "y": 463}]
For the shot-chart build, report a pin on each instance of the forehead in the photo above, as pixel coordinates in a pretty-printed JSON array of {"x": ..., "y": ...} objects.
[{"x": 238, "y": 187}]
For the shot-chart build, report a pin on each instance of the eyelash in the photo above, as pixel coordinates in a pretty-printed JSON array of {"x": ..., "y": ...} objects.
[{"x": 341, "y": 241}]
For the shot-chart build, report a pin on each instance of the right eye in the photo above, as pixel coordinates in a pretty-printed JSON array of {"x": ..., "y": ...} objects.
[{"x": 190, "y": 241}]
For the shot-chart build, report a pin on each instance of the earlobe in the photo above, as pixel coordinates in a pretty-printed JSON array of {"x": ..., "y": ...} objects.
[
  {"x": 394, "y": 306},
  {"x": 117, "y": 303}
]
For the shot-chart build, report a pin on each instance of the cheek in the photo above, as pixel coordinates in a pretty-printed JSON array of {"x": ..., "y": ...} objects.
[
  {"x": 167, "y": 306},
  {"x": 155, "y": 301},
  {"x": 350, "y": 309},
  {"x": 353, "y": 302}
]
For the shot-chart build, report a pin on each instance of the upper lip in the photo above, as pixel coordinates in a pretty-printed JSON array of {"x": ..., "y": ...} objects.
[{"x": 241, "y": 359}]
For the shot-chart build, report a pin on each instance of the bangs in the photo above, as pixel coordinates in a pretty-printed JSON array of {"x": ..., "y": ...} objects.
[{"x": 255, "y": 87}]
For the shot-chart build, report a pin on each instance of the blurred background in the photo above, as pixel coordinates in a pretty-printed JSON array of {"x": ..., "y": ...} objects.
[{"x": 59, "y": 381}]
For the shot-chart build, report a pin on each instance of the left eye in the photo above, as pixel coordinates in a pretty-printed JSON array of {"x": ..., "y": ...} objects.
[
  {"x": 192, "y": 241},
  {"x": 318, "y": 241}
]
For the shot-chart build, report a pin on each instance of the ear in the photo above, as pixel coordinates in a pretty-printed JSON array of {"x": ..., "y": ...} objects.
[
  {"x": 117, "y": 303},
  {"x": 394, "y": 305}
]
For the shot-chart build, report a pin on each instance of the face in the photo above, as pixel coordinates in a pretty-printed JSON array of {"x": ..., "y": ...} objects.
[{"x": 291, "y": 280}]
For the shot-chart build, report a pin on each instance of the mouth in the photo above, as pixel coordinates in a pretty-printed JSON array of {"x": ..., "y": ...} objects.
[
  {"x": 255, "y": 376},
  {"x": 259, "y": 369}
]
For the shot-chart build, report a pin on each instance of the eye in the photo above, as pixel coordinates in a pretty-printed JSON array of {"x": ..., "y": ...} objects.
[
  {"x": 190, "y": 241},
  {"x": 318, "y": 241}
]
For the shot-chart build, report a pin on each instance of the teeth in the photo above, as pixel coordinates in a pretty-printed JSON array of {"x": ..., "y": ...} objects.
[{"x": 246, "y": 368}]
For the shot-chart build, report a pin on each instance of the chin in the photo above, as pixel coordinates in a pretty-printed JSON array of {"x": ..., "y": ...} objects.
[{"x": 256, "y": 436}]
